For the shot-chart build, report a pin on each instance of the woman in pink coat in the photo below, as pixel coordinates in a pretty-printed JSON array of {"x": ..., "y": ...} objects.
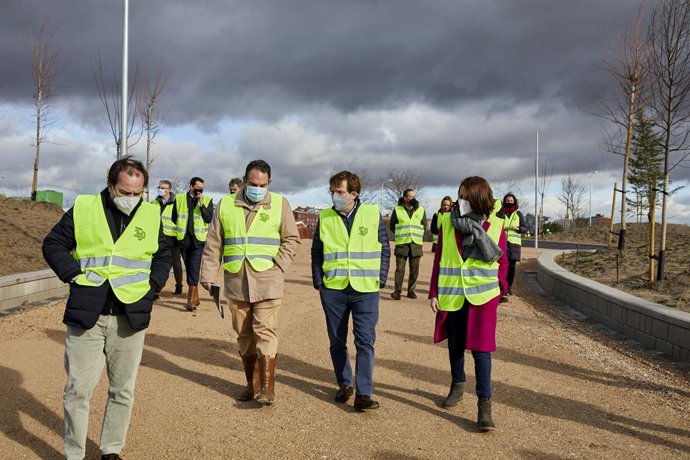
[{"x": 472, "y": 327}]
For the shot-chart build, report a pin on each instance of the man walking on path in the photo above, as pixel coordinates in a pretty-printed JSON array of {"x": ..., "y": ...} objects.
[
  {"x": 111, "y": 250},
  {"x": 254, "y": 237},
  {"x": 166, "y": 202},
  {"x": 194, "y": 212},
  {"x": 350, "y": 257},
  {"x": 408, "y": 222}
]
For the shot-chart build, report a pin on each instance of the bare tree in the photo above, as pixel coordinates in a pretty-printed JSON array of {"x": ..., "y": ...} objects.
[
  {"x": 47, "y": 68},
  {"x": 150, "y": 117},
  {"x": 627, "y": 67},
  {"x": 179, "y": 185},
  {"x": 109, "y": 93},
  {"x": 669, "y": 95},
  {"x": 396, "y": 183},
  {"x": 572, "y": 196}
]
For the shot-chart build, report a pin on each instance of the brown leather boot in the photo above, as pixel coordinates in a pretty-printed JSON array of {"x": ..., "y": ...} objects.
[
  {"x": 195, "y": 296},
  {"x": 267, "y": 369},
  {"x": 251, "y": 372},
  {"x": 190, "y": 298}
]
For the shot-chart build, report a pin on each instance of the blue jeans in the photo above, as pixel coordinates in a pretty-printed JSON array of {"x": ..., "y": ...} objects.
[
  {"x": 456, "y": 327},
  {"x": 337, "y": 305}
]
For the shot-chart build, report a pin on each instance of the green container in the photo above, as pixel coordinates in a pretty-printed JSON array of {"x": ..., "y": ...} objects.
[{"x": 50, "y": 196}]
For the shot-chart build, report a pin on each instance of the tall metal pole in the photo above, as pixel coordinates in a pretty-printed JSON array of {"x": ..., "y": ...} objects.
[
  {"x": 125, "y": 74},
  {"x": 536, "y": 199},
  {"x": 590, "y": 196}
]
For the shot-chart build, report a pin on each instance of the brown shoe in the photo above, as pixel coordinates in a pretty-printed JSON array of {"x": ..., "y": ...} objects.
[
  {"x": 395, "y": 295},
  {"x": 191, "y": 292},
  {"x": 195, "y": 296},
  {"x": 343, "y": 394},
  {"x": 267, "y": 369},
  {"x": 251, "y": 372}
]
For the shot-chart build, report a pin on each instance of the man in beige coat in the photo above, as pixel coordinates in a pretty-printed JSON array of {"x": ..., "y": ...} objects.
[{"x": 253, "y": 236}]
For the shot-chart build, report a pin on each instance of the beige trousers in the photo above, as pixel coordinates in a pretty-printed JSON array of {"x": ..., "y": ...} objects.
[{"x": 256, "y": 325}]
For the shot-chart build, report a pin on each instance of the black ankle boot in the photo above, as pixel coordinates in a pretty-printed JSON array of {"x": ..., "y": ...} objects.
[
  {"x": 484, "y": 420},
  {"x": 454, "y": 395}
]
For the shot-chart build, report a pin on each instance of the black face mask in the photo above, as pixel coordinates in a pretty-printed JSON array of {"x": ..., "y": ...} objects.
[
  {"x": 413, "y": 202},
  {"x": 198, "y": 191}
]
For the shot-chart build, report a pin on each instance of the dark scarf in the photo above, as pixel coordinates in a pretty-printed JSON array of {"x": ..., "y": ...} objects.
[{"x": 476, "y": 243}]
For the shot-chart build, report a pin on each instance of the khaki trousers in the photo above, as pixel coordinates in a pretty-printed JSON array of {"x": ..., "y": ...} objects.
[
  {"x": 256, "y": 325},
  {"x": 111, "y": 341}
]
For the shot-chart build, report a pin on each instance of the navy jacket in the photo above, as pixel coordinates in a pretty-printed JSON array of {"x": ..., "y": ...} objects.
[
  {"x": 85, "y": 303},
  {"x": 317, "y": 250}
]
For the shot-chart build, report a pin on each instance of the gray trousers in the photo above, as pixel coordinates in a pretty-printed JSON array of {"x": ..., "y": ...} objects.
[
  {"x": 400, "y": 272},
  {"x": 111, "y": 341}
]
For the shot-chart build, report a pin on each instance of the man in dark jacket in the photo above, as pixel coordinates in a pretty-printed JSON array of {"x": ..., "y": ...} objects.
[
  {"x": 166, "y": 202},
  {"x": 111, "y": 250},
  {"x": 408, "y": 223},
  {"x": 350, "y": 258}
]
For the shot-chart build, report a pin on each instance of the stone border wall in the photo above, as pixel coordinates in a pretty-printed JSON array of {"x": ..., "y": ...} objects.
[
  {"x": 656, "y": 326},
  {"x": 25, "y": 288}
]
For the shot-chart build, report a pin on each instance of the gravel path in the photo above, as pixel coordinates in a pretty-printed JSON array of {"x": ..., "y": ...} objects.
[{"x": 561, "y": 389}]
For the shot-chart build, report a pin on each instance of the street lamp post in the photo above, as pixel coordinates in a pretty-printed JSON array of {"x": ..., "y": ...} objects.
[{"x": 590, "y": 196}]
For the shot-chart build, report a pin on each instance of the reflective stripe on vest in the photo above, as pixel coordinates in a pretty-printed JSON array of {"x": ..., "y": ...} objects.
[
  {"x": 409, "y": 229},
  {"x": 169, "y": 227},
  {"x": 200, "y": 227},
  {"x": 126, "y": 263},
  {"x": 513, "y": 236},
  {"x": 259, "y": 244},
  {"x": 353, "y": 258},
  {"x": 473, "y": 280}
]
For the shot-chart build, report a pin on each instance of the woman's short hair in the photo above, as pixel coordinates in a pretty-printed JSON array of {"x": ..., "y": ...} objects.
[
  {"x": 478, "y": 192},
  {"x": 517, "y": 205}
]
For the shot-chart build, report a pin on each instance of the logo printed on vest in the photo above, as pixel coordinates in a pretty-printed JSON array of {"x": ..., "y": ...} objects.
[
  {"x": 363, "y": 231},
  {"x": 139, "y": 233},
  {"x": 263, "y": 216}
]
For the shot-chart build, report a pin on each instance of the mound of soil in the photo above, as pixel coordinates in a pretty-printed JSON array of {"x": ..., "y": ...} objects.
[
  {"x": 629, "y": 271},
  {"x": 23, "y": 225}
]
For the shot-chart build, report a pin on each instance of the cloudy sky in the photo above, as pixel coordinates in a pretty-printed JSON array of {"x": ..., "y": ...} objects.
[{"x": 444, "y": 88}]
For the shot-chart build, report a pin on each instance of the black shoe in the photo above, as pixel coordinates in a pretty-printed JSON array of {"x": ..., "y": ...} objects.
[
  {"x": 484, "y": 420},
  {"x": 510, "y": 291},
  {"x": 111, "y": 457},
  {"x": 178, "y": 290},
  {"x": 395, "y": 295},
  {"x": 156, "y": 296},
  {"x": 504, "y": 298},
  {"x": 454, "y": 395},
  {"x": 364, "y": 403},
  {"x": 343, "y": 394},
  {"x": 411, "y": 295}
]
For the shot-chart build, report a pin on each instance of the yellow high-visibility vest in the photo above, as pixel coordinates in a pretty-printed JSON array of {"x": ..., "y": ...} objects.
[
  {"x": 169, "y": 227},
  {"x": 513, "y": 236},
  {"x": 353, "y": 258},
  {"x": 125, "y": 263},
  {"x": 409, "y": 229},
  {"x": 259, "y": 244},
  {"x": 472, "y": 279},
  {"x": 200, "y": 227}
]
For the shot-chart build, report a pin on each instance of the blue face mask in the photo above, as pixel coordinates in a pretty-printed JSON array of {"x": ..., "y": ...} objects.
[
  {"x": 161, "y": 192},
  {"x": 255, "y": 194},
  {"x": 340, "y": 202}
]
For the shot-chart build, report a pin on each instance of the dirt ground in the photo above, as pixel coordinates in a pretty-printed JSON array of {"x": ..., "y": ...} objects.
[
  {"x": 630, "y": 273},
  {"x": 23, "y": 225},
  {"x": 561, "y": 389}
]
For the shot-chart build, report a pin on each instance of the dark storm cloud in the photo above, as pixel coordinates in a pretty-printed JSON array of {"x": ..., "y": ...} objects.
[{"x": 265, "y": 58}]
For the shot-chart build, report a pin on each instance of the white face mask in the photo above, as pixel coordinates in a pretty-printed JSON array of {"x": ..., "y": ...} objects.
[
  {"x": 464, "y": 207},
  {"x": 126, "y": 204}
]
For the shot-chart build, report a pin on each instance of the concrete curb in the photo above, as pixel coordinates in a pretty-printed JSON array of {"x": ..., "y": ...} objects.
[
  {"x": 656, "y": 326},
  {"x": 22, "y": 289}
]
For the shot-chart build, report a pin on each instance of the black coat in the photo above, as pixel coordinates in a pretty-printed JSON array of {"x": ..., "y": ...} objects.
[{"x": 86, "y": 303}]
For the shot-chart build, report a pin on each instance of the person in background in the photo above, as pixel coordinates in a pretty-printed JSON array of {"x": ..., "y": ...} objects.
[
  {"x": 111, "y": 249},
  {"x": 194, "y": 212},
  {"x": 514, "y": 224},
  {"x": 254, "y": 238},
  {"x": 235, "y": 185},
  {"x": 446, "y": 204},
  {"x": 350, "y": 257},
  {"x": 408, "y": 222},
  {"x": 166, "y": 203},
  {"x": 467, "y": 279}
]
